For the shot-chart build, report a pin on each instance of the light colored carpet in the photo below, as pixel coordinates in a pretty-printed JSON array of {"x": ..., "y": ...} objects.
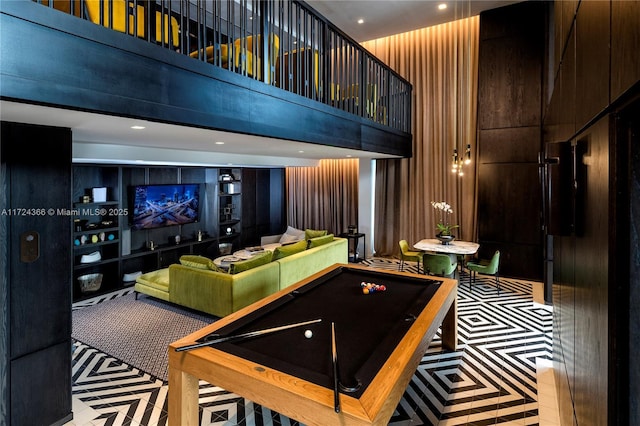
[{"x": 136, "y": 331}]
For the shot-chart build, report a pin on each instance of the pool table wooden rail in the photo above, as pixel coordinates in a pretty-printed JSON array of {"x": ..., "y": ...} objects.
[{"x": 298, "y": 399}]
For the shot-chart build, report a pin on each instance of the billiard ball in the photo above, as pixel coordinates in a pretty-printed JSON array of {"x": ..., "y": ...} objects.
[{"x": 308, "y": 334}]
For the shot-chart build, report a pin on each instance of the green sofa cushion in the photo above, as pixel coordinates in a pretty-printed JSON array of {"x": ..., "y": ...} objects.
[
  {"x": 290, "y": 249},
  {"x": 194, "y": 261},
  {"x": 318, "y": 241},
  {"x": 314, "y": 233},
  {"x": 245, "y": 265}
]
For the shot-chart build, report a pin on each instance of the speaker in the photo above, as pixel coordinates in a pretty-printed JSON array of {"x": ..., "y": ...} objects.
[{"x": 126, "y": 242}]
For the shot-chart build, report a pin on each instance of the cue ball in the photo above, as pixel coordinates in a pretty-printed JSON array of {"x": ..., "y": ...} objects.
[{"x": 308, "y": 334}]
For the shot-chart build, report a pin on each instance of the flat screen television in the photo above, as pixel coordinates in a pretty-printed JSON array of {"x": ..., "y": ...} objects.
[{"x": 157, "y": 206}]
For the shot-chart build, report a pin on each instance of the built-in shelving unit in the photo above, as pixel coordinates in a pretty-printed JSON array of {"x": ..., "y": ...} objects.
[
  {"x": 230, "y": 206},
  {"x": 104, "y": 242}
]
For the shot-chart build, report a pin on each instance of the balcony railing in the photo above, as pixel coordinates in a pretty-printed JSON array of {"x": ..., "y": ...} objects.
[{"x": 279, "y": 42}]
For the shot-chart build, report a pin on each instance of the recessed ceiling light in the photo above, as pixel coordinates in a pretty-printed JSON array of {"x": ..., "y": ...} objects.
[
  {"x": 300, "y": 151},
  {"x": 442, "y": 6},
  {"x": 137, "y": 127},
  {"x": 349, "y": 156},
  {"x": 360, "y": 21},
  {"x": 219, "y": 143}
]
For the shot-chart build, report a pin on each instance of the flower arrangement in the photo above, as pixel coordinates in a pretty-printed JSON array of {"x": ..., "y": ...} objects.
[{"x": 444, "y": 210}]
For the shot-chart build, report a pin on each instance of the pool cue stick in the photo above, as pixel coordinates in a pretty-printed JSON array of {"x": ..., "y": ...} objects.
[
  {"x": 334, "y": 359},
  {"x": 246, "y": 335}
]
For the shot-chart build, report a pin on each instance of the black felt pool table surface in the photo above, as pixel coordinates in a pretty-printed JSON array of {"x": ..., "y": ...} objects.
[{"x": 368, "y": 327}]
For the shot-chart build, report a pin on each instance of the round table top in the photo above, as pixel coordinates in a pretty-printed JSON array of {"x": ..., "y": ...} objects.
[
  {"x": 454, "y": 247},
  {"x": 223, "y": 262},
  {"x": 243, "y": 254}
]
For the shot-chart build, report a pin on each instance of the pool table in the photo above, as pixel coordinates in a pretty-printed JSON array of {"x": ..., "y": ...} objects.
[{"x": 379, "y": 340}]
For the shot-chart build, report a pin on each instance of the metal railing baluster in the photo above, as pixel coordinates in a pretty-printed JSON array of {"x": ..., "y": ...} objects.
[{"x": 311, "y": 57}]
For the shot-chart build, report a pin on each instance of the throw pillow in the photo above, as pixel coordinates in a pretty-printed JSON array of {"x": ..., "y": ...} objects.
[
  {"x": 253, "y": 262},
  {"x": 290, "y": 249},
  {"x": 288, "y": 239},
  {"x": 291, "y": 234},
  {"x": 318, "y": 241},
  {"x": 198, "y": 262},
  {"x": 313, "y": 233},
  {"x": 215, "y": 268}
]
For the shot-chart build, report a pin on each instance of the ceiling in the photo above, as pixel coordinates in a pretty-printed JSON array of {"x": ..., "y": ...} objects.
[
  {"x": 383, "y": 18},
  {"x": 100, "y": 138}
]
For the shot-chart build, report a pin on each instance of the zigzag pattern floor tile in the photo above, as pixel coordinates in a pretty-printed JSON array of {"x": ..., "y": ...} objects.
[{"x": 490, "y": 379}]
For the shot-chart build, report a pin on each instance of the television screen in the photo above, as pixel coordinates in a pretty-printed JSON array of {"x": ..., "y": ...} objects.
[{"x": 155, "y": 206}]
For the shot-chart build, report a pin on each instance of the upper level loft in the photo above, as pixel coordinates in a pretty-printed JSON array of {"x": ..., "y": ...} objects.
[{"x": 272, "y": 68}]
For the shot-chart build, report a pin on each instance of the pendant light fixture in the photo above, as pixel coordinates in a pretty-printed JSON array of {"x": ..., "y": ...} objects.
[{"x": 460, "y": 160}]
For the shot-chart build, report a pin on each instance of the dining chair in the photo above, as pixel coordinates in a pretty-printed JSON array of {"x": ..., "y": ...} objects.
[
  {"x": 485, "y": 267},
  {"x": 439, "y": 264},
  {"x": 116, "y": 12},
  {"x": 248, "y": 48},
  {"x": 407, "y": 254}
]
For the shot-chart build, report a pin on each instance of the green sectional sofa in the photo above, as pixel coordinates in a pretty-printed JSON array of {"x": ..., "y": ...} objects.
[{"x": 203, "y": 288}]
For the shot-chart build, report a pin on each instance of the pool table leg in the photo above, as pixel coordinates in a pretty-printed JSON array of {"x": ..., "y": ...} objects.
[
  {"x": 183, "y": 398},
  {"x": 450, "y": 327}
]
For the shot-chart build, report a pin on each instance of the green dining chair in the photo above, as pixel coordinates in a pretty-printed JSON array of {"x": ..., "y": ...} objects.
[
  {"x": 485, "y": 267},
  {"x": 439, "y": 264},
  {"x": 407, "y": 254}
]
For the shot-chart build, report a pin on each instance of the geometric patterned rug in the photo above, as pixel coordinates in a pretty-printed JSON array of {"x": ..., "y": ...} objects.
[
  {"x": 490, "y": 379},
  {"x": 137, "y": 331}
]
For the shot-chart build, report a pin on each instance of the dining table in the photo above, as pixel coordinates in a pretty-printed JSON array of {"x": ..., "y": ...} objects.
[{"x": 454, "y": 248}]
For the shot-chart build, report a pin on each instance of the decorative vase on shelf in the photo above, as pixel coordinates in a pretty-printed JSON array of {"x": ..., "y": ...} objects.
[{"x": 445, "y": 239}]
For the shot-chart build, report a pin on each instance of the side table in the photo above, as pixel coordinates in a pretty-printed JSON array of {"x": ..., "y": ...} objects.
[{"x": 354, "y": 240}]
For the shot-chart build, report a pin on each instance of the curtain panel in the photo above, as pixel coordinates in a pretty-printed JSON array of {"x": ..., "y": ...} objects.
[
  {"x": 323, "y": 197},
  {"x": 441, "y": 62}
]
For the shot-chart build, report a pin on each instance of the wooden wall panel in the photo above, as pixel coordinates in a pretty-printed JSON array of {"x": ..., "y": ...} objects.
[
  {"x": 592, "y": 326},
  {"x": 509, "y": 137},
  {"x": 563, "y": 325},
  {"x": 249, "y": 208},
  {"x": 625, "y": 45},
  {"x": 277, "y": 202},
  {"x": 41, "y": 386},
  {"x": 634, "y": 265},
  {"x": 592, "y": 276},
  {"x": 263, "y": 204},
  {"x": 510, "y": 145},
  {"x": 36, "y": 174},
  {"x": 559, "y": 120},
  {"x": 592, "y": 60},
  {"x": 510, "y": 86},
  {"x": 564, "y": 14},
  {"x": 508, "y": 211},
  {"x": 263, "y": 201},
  {"x": 567, "y": 78}
]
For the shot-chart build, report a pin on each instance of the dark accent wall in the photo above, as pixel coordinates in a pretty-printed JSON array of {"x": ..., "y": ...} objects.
[
  {"x": 35, "y": 265},
  {"x": 263, "y": 204},
  {"x": 591, "y": 125},
  {"x": 509, "y": 137},
  {"x": 631, "y": 128}
]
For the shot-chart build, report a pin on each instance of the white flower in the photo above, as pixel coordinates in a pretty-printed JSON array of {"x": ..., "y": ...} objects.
[
  {"x": 442, "y": 205},
  {"x": 443, "y": 225}
]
